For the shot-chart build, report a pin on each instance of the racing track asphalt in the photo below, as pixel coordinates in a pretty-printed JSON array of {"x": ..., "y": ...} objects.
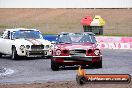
[{"x": 38, "y": 70}]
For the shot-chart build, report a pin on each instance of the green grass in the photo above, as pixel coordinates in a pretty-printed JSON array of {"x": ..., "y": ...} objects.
[
  {"x": 2, "y": 26},
  {"x": 5, "y": 26},
  {"x": 53, "y": 21}
]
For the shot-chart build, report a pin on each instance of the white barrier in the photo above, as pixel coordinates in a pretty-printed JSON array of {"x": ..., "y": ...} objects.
[{"x": 106, "y": 42}]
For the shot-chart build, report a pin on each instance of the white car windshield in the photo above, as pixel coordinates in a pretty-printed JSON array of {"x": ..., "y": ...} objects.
[
  {"x": 76, "y": 38},
  {"x": 27, "y": 34}
]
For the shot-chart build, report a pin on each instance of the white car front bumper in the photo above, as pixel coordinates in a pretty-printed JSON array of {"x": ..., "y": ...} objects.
[{"x": 38, "y": 53}]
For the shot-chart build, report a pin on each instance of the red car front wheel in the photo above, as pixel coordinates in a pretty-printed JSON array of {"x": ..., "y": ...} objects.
[
  {"x": 96, "y": 64},
  {"x": 54, "y": 65}
]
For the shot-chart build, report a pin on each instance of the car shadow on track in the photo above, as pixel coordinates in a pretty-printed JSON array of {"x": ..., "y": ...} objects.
[
  {"x": 22, "y": 58},
  {"x": 76, "y": 68}
]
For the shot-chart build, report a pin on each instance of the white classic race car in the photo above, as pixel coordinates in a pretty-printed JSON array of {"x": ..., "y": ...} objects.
[{"x": 24, "y": 42}]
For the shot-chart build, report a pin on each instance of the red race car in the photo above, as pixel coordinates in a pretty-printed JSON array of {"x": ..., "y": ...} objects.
[{"x": 76, "y": 49}]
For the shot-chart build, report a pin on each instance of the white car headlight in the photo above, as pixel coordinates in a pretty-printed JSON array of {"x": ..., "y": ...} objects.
[
  {"x": 58, "y": 52},
  {"x": 46, "y": 46},
  {"x": 51, "y": 46},
  {"x": 96, "y": 52},
  {"x": 27, "y": 46},
  {"x": 22, "y": 47}
]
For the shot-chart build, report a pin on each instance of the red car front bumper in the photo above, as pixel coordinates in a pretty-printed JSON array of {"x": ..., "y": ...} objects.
[{"x": 76, "y": 60}]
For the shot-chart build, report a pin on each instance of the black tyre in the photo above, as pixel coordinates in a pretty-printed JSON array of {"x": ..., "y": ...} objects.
[
  {"x": 0, "y": 54},
  {"x": 54, "y": 65},
  {"x": 14, "y": 55},
  {"x": 97, "y": 65},
  {"x": 80, "y": 80},
  {"x": 48, "y": 57}
]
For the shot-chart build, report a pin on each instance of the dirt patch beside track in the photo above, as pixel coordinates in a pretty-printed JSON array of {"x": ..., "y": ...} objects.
[{"x": 66, "y": 84}]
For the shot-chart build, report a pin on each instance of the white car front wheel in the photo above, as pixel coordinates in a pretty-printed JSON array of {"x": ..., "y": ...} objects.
[
  {"x": 14, "y": 54},
  {"x": 0, "y": 54}
]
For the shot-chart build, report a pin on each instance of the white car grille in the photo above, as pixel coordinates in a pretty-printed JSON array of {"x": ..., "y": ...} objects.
[{"x": 37, "y": 47}]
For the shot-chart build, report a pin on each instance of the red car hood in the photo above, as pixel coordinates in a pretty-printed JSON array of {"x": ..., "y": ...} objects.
[{"x": 77, "y": 46}]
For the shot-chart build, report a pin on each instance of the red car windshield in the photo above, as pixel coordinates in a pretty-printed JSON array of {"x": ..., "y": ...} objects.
[{"x": 76, "y": 38}]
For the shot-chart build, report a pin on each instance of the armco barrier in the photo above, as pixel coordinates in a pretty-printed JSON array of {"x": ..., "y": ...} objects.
[{"x": 106, "y": 42}]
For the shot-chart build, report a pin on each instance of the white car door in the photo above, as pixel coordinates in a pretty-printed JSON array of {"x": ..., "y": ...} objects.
[
  {"x": 5, "y": 43},
  {"x": 2, "y": 46}
]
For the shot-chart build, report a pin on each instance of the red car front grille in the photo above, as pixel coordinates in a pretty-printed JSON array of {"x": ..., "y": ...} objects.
[{"x": 78, "y": 52}]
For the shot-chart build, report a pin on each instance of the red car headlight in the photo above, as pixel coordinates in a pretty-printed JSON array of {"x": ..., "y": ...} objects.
[
  {"x": 96, "y": 52},
  {"x": 89, "y": 51},
  {"x": 58, "y": 52},
  {"x": 65, "y": 51}
]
